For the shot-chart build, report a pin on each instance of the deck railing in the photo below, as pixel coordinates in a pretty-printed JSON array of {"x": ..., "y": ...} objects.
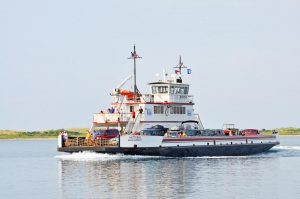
[
  {"x": 148, "y": 98},
  {"x": 88, "y": 142},
  {"x": 110, "y": 117},
  {"x": 168, "y": 98}
]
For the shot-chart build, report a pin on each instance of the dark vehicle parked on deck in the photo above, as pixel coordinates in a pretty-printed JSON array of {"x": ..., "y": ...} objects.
[{"x": 157, "y": 130}]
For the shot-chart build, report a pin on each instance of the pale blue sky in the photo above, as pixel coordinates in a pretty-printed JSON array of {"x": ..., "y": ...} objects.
[{"x": 60, "y": 59}]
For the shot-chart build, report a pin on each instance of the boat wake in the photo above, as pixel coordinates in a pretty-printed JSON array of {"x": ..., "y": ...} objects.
[
  {"x": 286, "y": 148},
  {"x": 93, "y": 156},
  {"x": 282, "y": 151}
]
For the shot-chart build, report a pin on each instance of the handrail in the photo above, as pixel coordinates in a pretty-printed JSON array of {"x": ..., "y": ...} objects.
[
  {"x": 136, "y": 122},
  {"x": 110, "y": 117},
  {"x": 200, "y": 122},
  {"x": 120, "y": 104},
  {"x": 132, "y": 123},
  {"x": 127, "y": 128}
]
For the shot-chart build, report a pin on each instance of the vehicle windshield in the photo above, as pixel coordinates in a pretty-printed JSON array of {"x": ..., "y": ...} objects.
[
  {"x": 152, "y": 132},
  {"x": 99, "y": 132},
  {"x": 173, "y": 133},
  {"x": 192, "y": 132},
  {"x": 112, "y": 132}
]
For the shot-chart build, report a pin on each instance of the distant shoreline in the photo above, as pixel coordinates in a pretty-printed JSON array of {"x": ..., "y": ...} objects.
[
  {"x": 42, "y": 135},
  {"x": 27, "y": 138},
  {"x": 81, "y": 132}
]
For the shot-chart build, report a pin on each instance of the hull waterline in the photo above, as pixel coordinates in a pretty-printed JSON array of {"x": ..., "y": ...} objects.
[{"x": 181, "y": 151}]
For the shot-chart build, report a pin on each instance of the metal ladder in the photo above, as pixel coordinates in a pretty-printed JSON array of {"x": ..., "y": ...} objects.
[
  {"x": 197, "y": 116},
  {"x": 132, "y": 124}
]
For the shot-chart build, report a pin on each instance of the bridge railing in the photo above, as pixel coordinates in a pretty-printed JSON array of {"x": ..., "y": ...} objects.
[{"x": 110, "y": 117}]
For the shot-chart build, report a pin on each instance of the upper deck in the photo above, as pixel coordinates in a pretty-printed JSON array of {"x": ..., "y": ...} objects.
[
  {"x": 168, "y": 102},
  {"x": 171, "y": 91}
]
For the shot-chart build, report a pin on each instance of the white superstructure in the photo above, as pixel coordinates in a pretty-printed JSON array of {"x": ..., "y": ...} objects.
[{"x": 168, "y": 104}]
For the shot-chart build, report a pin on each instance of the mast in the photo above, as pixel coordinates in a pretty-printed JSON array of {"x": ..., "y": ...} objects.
[
  {"x": 134, "y": 56},
  {"x": 180, "y": 65}
]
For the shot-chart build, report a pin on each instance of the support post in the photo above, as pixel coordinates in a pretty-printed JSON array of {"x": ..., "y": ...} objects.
[{"x": 134, "y": 56}]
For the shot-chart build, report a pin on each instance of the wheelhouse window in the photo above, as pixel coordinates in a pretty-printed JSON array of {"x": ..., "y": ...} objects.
[
  {"x": 160, "y": 89},
  {"x": 154, "y": 89},
  {"x": 163, "y": 89},
  {"x": 158, "y": 109},
  {"x": 179, "y": 90},
  {"x": 186, "y": 90}
]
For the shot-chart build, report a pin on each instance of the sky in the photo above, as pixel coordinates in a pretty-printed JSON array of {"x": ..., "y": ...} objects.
[{"x": 60, "y": 59}]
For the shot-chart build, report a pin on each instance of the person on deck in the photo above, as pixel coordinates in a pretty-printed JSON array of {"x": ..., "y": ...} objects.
[
  {"x": 133, "y": 114},
  {"x": 112, "y": 110},
  {"x": 94, "y": 134},
  {"x": 141, "y": 110},
  {"x": 88, "y": 136},
  {"x": 64, "y": 135}
]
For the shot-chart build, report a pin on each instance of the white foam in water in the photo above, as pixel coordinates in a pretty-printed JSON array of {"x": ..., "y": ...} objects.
[
  {"x": 93, "y": 156},
  {"x": 216, "y": 157},
  {"x": 287, "y": 147}
]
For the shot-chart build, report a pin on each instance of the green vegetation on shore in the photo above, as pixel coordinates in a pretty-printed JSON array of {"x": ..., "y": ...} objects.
[
  {"x": 9, "y": 134},
  {"x": 283, "y": 131}
]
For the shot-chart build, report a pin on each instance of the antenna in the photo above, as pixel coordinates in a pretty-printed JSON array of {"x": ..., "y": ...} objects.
[
  {"x": 180, "y": 65},
  {"x": 165, "y": 74},
  {"x": 134, "y": 56}
]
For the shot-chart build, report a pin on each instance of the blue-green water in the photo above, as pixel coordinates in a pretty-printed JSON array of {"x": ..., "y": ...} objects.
[{"x": 33, "y": 169}]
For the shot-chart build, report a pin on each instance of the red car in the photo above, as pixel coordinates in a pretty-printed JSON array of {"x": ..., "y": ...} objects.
[
  {"x": 106, "y": 134},
  {"x": 249, "y": 132}
]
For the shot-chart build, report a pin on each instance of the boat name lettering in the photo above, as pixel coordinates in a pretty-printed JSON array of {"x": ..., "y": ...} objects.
[{"x": 135, "y": 138}]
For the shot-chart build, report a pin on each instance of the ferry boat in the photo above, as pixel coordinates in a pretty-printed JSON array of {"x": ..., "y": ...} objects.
[{"x": 162, "y": 123}]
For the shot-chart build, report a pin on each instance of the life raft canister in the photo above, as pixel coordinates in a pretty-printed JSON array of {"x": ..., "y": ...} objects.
[{"x": 127, "y": 93}]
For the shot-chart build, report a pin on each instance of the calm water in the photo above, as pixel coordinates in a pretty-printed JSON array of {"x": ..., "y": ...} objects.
[{"x": 33, "y": 169}]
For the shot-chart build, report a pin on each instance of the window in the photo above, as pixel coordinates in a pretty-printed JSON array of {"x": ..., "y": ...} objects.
[
  {"x": 159, "y": 89},
  {"x": 172, "y": 89},
  {"x": 131, "y": 108},
  {"x": 186, "y": 90},
  {"x": 163, "y": 89},
  {"x": 158, "y": 110},
  {"x": 154, "y": 89},
  {"x": 112, "y": 132},
  {"x": 177, "y": 110},
  {"x": 179, "y": 90}
]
